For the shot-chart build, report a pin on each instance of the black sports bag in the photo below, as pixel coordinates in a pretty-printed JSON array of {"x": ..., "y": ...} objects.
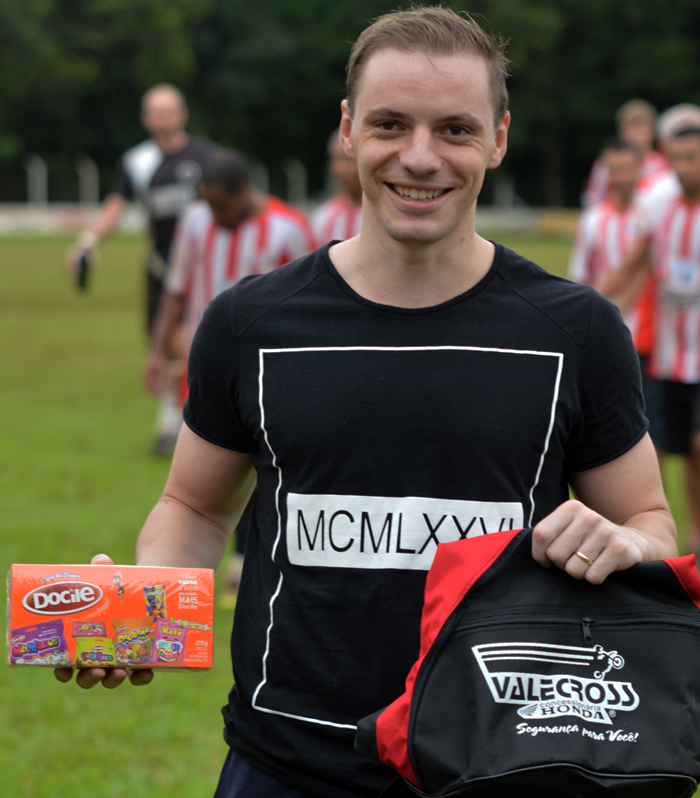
[{"x": 531, "y": 683}]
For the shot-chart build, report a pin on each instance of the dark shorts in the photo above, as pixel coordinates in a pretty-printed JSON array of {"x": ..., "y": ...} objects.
[
  {"x": 654, "y": 400},
  {"x": 240, "y": 780},
  {"x": 682, "y": 412}
]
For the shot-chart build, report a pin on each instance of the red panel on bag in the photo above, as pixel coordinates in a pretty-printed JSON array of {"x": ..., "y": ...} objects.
[
  {"x": 456, "y": 568},
  {"x": 686, "y": 571}
]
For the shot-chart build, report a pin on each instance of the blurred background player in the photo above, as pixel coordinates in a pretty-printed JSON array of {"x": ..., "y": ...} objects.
[
  {"x": 339, "y": 217},
  {"x": 667, "y": 187},
  {"x": 232, "y": 231},
  {"x": 669, "y": 241},
  {"x": 634, "y": 122},
  {"x": 606, "y": 232},
  {"x": 162, "y": 172}
]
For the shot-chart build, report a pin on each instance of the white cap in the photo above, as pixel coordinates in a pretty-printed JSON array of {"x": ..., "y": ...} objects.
[{"x": 676, "y": 118}]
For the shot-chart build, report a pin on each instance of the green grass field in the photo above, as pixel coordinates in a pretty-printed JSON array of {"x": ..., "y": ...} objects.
[{"x": 76, "y": 478}]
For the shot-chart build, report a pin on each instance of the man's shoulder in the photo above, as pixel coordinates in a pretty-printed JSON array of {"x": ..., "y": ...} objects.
[
  {"x": 278, "y": 209},
  {"x": 568, "y": 305},
  {"x": 197, "y": 216},
  {"x": 146, "y": 150},
  {"x": 141, "y": 162},
  {"x": 254, "y": 296}
]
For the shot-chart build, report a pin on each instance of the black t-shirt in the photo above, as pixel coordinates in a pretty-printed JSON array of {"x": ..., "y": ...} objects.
[
  {"x": 377, "y": 432},
  {"x": 165, "y": 183}
]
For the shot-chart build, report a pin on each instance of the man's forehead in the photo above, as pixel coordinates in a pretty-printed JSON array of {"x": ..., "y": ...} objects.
[
  {"x": 161, "y": 98},
  {"x": 685, "y": 144},
  {"x": 458, "y": 84}
]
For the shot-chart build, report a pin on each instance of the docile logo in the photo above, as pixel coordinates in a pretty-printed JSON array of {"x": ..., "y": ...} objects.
[{"x": 62, "y": 598}]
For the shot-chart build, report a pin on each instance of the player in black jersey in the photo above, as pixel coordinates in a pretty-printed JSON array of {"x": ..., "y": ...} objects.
[
  {"x": 413, "y": 385},
  {"x": 162, "y": 172}
]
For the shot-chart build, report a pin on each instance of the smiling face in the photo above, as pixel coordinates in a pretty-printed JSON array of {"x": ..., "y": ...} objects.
[
  {"x": 684, "y": 156},
  {"x": 422, "y": 130}
]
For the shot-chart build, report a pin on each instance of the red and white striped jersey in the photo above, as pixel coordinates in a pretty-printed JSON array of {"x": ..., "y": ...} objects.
[
  {"x": 336, "y": 219},
  {"x": 673, "y": 237},
  {"x": 654, "y": 167},
  {"x": 604, "y": 236},
  {"x": 207, "y": 258}
]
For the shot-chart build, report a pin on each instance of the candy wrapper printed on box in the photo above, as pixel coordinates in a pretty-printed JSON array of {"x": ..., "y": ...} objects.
[
  {"x": 133, "y": 640},
  {"x": 41, "y": 644},
  {"x": 155, "y": 602},
  {"x": 88, "y": 629},
  {"x": 94, "y": 652},
  {"x": 110, "y": 616},
  {"x": 170, "y": 643}
]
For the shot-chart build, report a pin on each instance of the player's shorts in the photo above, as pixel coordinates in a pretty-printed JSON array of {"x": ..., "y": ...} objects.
[
  {"x": 654, "y": 400},
  {"x": 682, "y": 414},
  {"x": 240, "y": 780}
]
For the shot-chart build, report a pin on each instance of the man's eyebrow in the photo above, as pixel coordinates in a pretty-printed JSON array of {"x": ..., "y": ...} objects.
[
  {"x": 376, "y": 113},
  {"x": 457, "y": 118}
]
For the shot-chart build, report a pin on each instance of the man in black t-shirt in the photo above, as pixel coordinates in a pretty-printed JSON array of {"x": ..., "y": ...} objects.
[
  {"x": 413, "y": 385},
  {"x": 162, "y": 173}
]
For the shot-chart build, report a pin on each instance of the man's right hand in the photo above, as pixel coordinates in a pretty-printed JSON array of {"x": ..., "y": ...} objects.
[
  {"x": 85, "y": 244},
  {"x": 109, "y": 677}
]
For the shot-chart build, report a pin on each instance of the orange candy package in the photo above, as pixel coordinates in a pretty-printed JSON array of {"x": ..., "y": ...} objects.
[{"x": 125, "y": 615}]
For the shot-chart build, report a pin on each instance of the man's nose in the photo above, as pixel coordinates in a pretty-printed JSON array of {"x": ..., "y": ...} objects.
[{"x": 420, "y": 154}]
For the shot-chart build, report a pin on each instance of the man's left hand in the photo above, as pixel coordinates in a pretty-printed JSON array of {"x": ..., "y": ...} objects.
[{"x": 574, "y": 534}]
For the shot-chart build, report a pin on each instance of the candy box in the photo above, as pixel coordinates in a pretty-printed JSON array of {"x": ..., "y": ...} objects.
[{"x": 106, "y": 615}]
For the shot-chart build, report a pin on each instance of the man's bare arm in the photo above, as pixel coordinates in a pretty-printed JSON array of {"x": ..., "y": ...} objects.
[
  {"x": 168, "y": 321},
  {"x": 617, "y": 281},
  {"x": 622, "y": 518},
  {"x": 107, "y": 219},
  {"x": 204, "y": 497}
]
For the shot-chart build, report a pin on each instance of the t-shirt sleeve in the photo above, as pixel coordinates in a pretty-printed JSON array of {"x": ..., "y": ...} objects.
[
  {"x": 212, "y": 409},
  {"x": 611, "y": 404},
  {"x": 122, "y": 183}
]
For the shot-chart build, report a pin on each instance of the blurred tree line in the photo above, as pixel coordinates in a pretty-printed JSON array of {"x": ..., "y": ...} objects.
[{"x": 268, "y": 76}]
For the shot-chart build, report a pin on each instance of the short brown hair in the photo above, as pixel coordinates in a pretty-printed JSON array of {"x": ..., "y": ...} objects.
[{"x": 437, "y": 31}]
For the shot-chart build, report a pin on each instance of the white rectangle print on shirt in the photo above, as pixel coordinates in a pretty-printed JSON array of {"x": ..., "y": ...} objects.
[{"x": 386, "y": 532}]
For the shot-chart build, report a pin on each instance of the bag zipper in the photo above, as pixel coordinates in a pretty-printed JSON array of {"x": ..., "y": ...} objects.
[{"x": 587, "y": 623}]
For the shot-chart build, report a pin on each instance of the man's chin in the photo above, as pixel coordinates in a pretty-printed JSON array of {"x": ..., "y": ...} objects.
[{"x": 414, "y": 236}]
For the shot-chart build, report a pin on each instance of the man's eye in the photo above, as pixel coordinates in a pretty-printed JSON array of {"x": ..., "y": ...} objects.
[
  {"x": 457, "y": 130},
  {"x": 387, "y": 125}
]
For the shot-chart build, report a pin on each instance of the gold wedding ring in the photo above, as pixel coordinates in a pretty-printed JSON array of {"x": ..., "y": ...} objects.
[{"x": 583, "y": 557}]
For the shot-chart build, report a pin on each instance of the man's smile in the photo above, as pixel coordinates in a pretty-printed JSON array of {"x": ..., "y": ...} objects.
[{"x": 417, "y": 193}]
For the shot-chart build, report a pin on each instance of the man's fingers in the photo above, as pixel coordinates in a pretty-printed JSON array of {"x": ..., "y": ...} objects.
[
  {"x": 109, "y": 677},
  {"x": 141, "y": 677},
  {"x": 114, "y": 677},
  {"x": 87, "y": 678},
  {"x": 63, "y": 674},
  {"x": 549, "y": 529},
  {"x": 101, "y": 559}
]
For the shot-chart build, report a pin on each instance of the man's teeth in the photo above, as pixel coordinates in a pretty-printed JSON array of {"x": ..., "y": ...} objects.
[{"x": 418, "y": 193}]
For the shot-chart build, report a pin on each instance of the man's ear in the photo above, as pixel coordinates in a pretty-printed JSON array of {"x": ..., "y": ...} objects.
[
  {"x": 346, "y": 129},
  {"x": 501, "y": 143}
]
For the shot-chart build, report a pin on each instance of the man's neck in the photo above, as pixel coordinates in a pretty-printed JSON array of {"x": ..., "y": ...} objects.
[
  {"x": 691, "y": 196},
  {"x": 257, "y": 204},
  {"x": 395, "y": 273},
  {"x": 173, "y": 143},
  {"x": 622, "y": 201}
]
